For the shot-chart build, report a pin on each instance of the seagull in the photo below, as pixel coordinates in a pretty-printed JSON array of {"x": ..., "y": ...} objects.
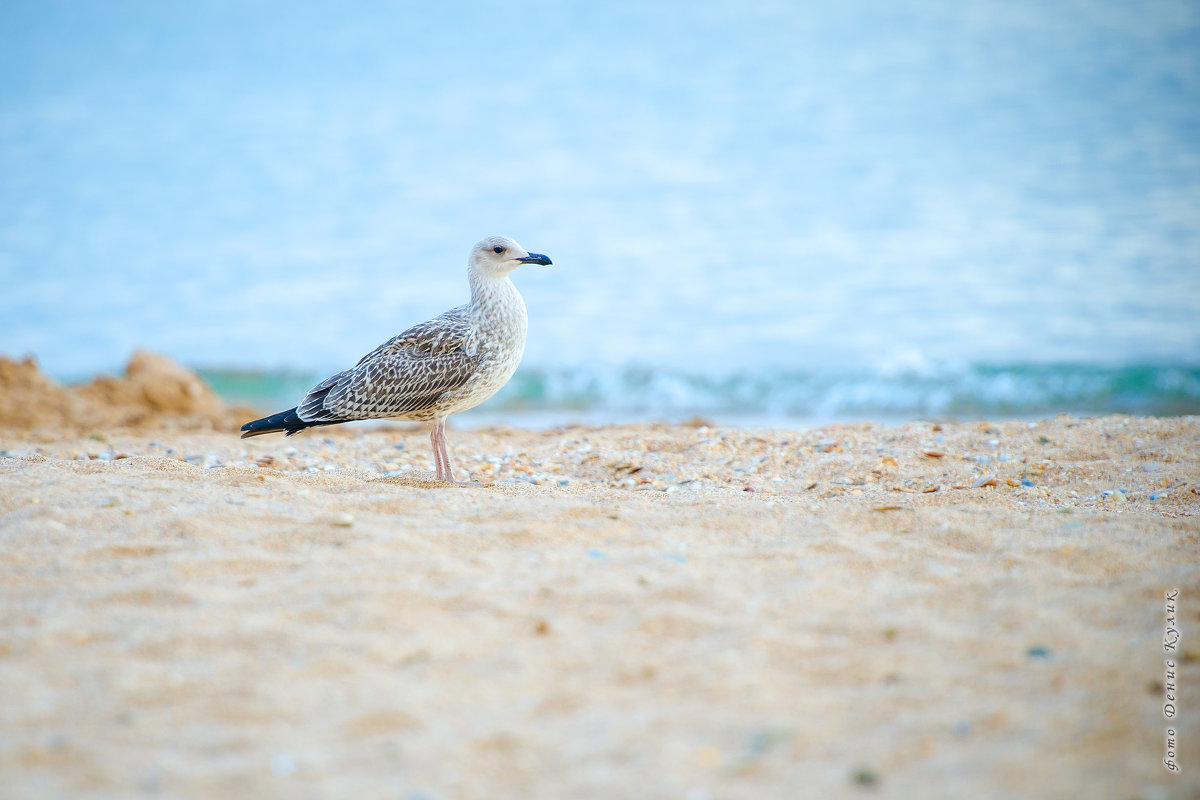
[{"x": 451, "y": 363}]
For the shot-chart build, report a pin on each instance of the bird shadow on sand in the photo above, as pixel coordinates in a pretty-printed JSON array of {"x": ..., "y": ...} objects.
[{"x": 427, "y": 481}]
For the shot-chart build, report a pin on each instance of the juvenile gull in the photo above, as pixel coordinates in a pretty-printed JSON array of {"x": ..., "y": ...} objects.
[{"x": 451, "y": 363}]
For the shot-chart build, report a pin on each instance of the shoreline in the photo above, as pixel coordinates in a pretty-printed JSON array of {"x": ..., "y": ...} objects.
[{"x": 635, "y": 609}]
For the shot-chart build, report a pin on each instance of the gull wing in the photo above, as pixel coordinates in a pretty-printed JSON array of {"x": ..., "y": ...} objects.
[{"x": 405, "y": 374}]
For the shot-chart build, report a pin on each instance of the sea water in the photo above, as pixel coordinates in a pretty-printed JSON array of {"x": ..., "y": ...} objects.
[{"x": 768, "y": 210}]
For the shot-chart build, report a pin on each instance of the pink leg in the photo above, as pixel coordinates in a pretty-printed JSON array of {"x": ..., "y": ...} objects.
[
  {"x": 437, "y": 438},
  {"x": 441, "y": 456},
  {"x": 448, "y": 475}
]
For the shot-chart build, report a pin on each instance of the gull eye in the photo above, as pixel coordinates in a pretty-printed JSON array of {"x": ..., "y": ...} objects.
[{"x": 497, "y": 249}]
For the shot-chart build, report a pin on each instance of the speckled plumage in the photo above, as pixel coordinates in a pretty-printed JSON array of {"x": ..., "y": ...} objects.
[{"x": 453, "y": 362}]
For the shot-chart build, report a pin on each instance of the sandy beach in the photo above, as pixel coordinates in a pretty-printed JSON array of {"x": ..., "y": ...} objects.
[{"x": 923, "y": 610}]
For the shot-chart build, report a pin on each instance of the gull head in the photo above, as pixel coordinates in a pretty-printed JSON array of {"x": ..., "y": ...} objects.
[{"x": 498, "y": 255}]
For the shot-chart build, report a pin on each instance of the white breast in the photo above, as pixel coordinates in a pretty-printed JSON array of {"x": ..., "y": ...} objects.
[{"x": 500, "y": 321}]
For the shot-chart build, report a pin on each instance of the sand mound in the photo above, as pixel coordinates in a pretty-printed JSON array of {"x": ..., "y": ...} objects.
[{"x": 155, "y": 391}]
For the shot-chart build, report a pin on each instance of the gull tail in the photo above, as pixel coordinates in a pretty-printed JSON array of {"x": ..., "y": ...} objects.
[{"x": 287, "y": 421}]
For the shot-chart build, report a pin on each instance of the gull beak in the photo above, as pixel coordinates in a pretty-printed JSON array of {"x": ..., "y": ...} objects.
[{"x": 536, "y": 258}]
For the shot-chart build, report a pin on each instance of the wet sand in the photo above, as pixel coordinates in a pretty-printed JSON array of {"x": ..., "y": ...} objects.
[{"x": 963, "y": 610}]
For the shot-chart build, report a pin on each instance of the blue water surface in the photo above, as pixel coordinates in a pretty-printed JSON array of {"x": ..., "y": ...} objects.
[{"x": 812, "y": 207}]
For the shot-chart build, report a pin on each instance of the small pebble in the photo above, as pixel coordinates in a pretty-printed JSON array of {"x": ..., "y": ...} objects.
[
  {"x": 864, "y": 776},
  {"x": 283, "y": 765}
]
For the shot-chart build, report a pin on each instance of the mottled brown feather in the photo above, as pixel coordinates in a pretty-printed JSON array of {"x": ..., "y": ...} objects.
[{"x": 403, "y": 377}]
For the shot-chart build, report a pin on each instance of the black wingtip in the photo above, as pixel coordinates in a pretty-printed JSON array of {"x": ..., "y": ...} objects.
[{"x": 285, "y": 421}]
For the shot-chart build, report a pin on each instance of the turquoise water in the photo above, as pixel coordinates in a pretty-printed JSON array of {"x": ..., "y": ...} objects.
[
  {"x": 762, "y": 209},
  {"x": 537, "y": 396}
]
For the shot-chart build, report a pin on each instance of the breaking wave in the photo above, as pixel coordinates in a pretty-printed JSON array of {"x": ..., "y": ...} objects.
[{"x": 946, "y": 391}]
